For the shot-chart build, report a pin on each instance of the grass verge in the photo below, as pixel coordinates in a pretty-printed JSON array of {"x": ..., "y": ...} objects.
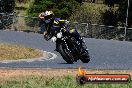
[
  {"x": 54, "y": 82},
  {"x": 15, "y": 52},
  {"x": 52, "y": 78}
]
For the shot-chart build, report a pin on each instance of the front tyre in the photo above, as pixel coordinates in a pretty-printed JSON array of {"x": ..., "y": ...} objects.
[{"x": 67, "y": 56}]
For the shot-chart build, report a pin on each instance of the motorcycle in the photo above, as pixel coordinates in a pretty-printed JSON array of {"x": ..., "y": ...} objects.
[{"x": 68, "y": 46}]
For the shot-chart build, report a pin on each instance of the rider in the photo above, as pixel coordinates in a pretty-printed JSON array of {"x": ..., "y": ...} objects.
[
  {"x": 49, "y": 22},
  {"x": 46, "y": 19}
]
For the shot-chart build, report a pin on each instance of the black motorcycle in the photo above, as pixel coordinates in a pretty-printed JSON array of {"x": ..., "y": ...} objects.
[{"x": 68, "y": 46}]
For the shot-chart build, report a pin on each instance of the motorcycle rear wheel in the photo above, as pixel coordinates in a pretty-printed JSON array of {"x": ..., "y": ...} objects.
[{"x": 85, "y": 58}]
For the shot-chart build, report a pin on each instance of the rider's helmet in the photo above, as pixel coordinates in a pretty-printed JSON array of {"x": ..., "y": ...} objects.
[{"x": 48, "y": 13}]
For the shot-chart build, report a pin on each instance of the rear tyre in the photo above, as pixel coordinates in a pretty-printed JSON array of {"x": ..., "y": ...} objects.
[
  {"x": 67, "y": 56},
  {"x": 85, "y": 58}
]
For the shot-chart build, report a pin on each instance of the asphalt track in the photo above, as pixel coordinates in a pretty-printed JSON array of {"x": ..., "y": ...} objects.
[{"x": 105, "y": 54}]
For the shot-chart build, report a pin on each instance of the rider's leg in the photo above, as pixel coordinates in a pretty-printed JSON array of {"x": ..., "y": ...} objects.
[
  {"x": 42, "y": 28},
  {"x": 49, "y": 26}
]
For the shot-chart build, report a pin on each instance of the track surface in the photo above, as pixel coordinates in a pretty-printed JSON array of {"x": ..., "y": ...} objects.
[{"x": 105, "y": 54}]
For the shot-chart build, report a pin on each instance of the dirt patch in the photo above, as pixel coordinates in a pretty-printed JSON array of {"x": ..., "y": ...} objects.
[
  {"x": 15, "y": 52},
  {"x": 9, "y": 73}
]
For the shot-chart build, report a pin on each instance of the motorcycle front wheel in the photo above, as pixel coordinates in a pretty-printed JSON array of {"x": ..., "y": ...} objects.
[{"x": 67, "y": 56}]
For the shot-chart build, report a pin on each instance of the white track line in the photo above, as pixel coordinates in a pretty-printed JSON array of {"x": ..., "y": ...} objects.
[{"x": 46, "y": 56}]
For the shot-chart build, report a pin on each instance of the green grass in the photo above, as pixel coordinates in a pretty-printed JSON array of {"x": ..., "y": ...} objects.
[{"x": 53, "y": 82}]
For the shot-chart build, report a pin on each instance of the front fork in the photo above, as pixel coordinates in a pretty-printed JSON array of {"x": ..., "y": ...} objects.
[{"x": 64, "y": 42}]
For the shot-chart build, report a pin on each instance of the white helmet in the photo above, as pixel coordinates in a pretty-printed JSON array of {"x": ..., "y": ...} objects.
[{"x": 48, "y": 13}]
